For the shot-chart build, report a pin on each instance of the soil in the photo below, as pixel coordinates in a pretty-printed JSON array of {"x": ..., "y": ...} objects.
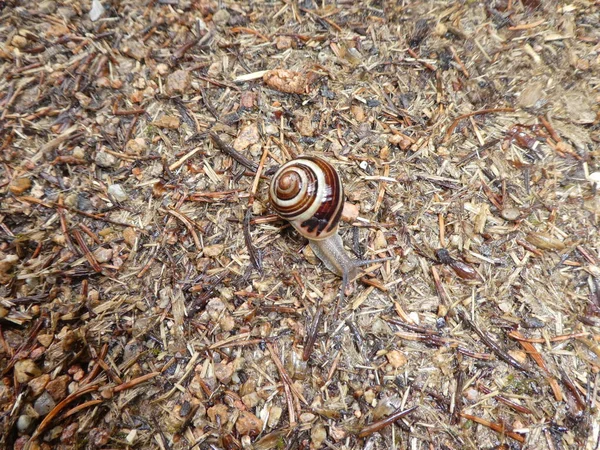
[{"x": 150, "y": 298}]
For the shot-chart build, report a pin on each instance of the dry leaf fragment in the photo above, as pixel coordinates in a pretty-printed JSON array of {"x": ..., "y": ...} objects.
[{"x": 544, "y": 241}]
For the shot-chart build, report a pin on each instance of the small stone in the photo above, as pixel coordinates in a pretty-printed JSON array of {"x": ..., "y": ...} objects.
[
  {"x": 57, "y": 388},
  {"x": 248, "y": 424},
  {"x": 98, "y": 437},
  {"x": 24, "y": 423},
  {"x": 318, "y": 434},
  {"x": 170, "y": 122},
  {"x": 19, "y": 185},
  {"x": 214, "y": 308},
  {"x": 251, "y": 400},
  {"x": 349, "y": 212},
  {"x": 78, "y": 153},
  {"x": 274, "y": 416},
  {"x": 358, "y": 112},
  {"x": 369, "y": 396},
  {"x": 162, "y": 69},
  {"x": 218, "y": 414},
  {"x": 68, "y": 434},
  {"x": 532, "y": 95},
  {"x": 224, "y": 372},
  {"x": 134, "y": 49},
  {"x": 303, "y": 125},
  {"x": 440, "y": 29},
  {"x": 47, "y": 7},
  {"x": 97, "y": 10},
  {"x": 213, "y": 250},
  {"x": 271, "y": 129},
  {"x": 25, "y": 370},
  {"x": 579, "y": 107},
  {"x": 409, "y": 264},
  {"x": 19, "y": 41},
  {"x": 38, "y": 384},
  {"x": 105, "y": 160},
  {"x": 221, "y": 17},
  {"x": 44, "y": 404},
  {"x": 471, "y": 394},
  {"x": 307, "y": 417},
  {"x": 337, "y": 434},
  {"x": 103, "y": 255},
  {"x": 283, "y": 42},
  {"x": 510, "y": 214},
  {"x": 135, "y": 146},
  {"x": 248, "y": 136},
  {"x": 129, "y": 236},
  {"x": 117, "y": 192},
  {"x": 178, "y": 82},
  {"x": 380, "y": 242},
  {"x": 248, "y": 99},
  {"x": 519, "y": 355},
  {"x": 227, "y": 323},
  {"x": 396, "y": 359}
]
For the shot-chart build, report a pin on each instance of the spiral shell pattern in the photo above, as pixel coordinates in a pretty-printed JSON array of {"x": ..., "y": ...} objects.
[{"x": 308, "y": 192}]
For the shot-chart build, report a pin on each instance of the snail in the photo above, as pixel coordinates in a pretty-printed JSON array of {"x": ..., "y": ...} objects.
[{"x": 309, "y": 194}]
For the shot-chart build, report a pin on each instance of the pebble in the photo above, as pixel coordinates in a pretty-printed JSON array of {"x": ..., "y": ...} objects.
[
  {"x": 19, "y": 41},
  {"x": 218, "y": 414},
  {"x": 135, "y": 146},
  {"x": 44, "y": 404},
  {"x": 248, "y": 424},
  {"x": 250, "y": 400},
  {"x": 38, "y": 384},
  {"x": 307, "y": 417},
  {"x": 129, "y": 236},
  {"x": 224, "y": 372},
  {"x": 24, "y": 423},
  {"x": 57, "y": 388},
  {"x": 134, "y": 49},
  {"x": 117, "y": 192},
  {"x": 221, "y": 17},
  {"x": 396, "y": 359},
  {"x": 318, "y": 434},
  {"x": 170, "y": 122},
  {"x": 47, "y": 7},
  {"x": 510, "y": 214},
  {"x": 531, "y": 95},
  {"x": 97, "y": 10},
  {"x": 103, "y": 255},
  {"x": 213, "y": 250},
  {"x": 178, "y": 82},
  {"x": 214, "y": 308},
  {"x": 25, "y": 370},
  {"x": 19, "y": 185},
  {"x": 248, "y": 136},
  {"x": 409, "y": 264},
  {"x": 274, "y": 416},
  {"x": 105, "y": 160}
]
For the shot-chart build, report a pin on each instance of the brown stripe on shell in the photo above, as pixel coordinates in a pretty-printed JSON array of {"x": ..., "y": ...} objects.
[
  {"x": 304, "y": 203},
  {"x": 327, "y": 217}
]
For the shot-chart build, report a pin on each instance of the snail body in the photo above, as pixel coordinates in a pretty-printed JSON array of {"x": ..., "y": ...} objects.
[{"x": 308, "y": 192}]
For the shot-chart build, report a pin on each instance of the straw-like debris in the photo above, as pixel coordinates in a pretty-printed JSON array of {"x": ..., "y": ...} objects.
[{"x": 150, "y": 298}]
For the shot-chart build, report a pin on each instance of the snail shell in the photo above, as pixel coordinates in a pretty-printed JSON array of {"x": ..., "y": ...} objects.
[{"x": 308, "y": 192}]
